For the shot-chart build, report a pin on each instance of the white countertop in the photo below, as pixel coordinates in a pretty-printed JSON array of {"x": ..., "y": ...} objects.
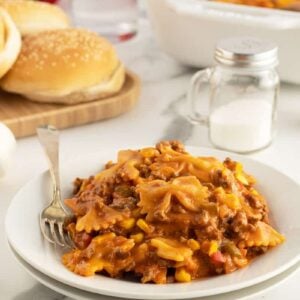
[{"x": 157, "y": 116}]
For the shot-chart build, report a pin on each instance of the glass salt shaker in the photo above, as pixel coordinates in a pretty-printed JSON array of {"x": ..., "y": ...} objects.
[{"x": 244, "y": 88}]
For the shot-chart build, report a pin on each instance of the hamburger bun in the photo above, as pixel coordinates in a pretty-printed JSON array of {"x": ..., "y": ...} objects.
[
  {"x": 2, "y": 32},
  {"x": 65, "y": 66},
  {"x": 35, "y": 16},
  {"x": 10, "y": 42}
]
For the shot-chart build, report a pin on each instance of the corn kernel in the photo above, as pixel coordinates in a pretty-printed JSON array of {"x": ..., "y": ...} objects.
[
  {"x": 182, "y": 275},
  {"x": 239, "y": 168},
  {"x": 239, "y": 174},
  {"x": 219, "y": 190},
  {"x": 213, "y": 248},
  {"x": 254, "y": 192},
  {"x": 142, "y": 224},
  {"x": 232, "y": 201},
  {"x": 193, "y": 244},
  {"x": 241, "y": 178},
  {"x": 138, "y": 237},
  {"x": 128, "y": 223}
]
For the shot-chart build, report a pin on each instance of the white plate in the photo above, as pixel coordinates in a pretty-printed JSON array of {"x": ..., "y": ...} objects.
[
  {"x": 77, "y": 294},
  {"x": 24, "y": 235}
]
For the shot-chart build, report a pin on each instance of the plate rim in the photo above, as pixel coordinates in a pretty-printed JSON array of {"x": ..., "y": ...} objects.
[{"x": 256, "y": 293}]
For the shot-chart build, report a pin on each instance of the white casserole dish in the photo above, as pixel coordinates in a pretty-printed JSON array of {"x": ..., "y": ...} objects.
[{"x": 189, "y": 29}]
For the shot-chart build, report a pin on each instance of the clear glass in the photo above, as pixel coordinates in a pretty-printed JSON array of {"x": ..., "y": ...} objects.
[
  {"x": 242, "y": 106},
  {"x": 115, "y": 19}
]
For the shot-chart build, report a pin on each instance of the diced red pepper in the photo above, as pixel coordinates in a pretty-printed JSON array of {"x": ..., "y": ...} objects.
[{"x": 218, "y": 258}]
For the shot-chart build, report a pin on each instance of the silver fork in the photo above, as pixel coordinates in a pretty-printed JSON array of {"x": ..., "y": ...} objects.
[{"x": 54, "y": 217}]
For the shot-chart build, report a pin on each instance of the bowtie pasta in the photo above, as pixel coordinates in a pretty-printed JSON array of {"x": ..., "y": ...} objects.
[{"x": 163, "y": 215}]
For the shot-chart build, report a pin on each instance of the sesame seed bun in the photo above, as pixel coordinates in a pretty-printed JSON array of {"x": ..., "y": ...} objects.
[
  {"x": 65, "y": 66},
  {"x": 35, "y": 16},
  {"x": 2, "y": 33},
  {"x": 10, "y": 42}
]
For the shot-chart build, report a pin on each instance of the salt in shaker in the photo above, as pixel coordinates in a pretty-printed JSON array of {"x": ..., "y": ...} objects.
[{"x": 244, "y": 88}]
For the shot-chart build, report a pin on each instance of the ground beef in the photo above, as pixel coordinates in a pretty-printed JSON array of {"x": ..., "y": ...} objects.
[{"x": 239, "y": 222}]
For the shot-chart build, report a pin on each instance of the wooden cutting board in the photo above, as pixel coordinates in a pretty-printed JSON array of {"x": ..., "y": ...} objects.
[{"x": 23, "y": 116}]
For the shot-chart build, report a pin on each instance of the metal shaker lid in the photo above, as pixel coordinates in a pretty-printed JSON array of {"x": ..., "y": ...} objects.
[{"x": 246, "y": 52}]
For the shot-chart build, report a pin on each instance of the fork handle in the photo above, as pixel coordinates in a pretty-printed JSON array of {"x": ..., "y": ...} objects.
[{"x": 49, "y": 138}]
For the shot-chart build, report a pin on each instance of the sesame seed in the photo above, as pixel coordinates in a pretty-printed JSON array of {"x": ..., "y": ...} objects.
[{"x": 63, "y": 46}]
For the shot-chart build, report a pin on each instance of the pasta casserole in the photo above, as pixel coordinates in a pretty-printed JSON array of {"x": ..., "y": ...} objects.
[
  {"x": 279, "y": 4},
  {"x": 163, "y": 215}
]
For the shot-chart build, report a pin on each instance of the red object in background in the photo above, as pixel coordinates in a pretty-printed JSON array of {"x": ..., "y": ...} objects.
[
  {"x": 50, "y": 1},
  {"x": 126, "y": 36}
]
